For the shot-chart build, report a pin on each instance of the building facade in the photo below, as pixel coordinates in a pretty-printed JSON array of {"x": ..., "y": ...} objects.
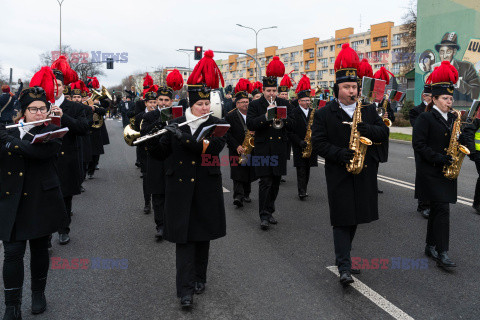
[{"x": 382, "y": 45}]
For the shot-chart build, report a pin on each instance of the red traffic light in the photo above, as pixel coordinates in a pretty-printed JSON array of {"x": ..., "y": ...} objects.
[{"x": 198, "y": 52}]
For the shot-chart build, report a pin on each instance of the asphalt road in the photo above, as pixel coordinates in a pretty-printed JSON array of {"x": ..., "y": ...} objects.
[{"x": 278, "y": 274}]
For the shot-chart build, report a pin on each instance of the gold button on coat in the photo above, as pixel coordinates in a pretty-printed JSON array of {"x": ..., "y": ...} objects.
[
  {"x": 192, "y": 179},
  {"x": 21, "y": 174}
]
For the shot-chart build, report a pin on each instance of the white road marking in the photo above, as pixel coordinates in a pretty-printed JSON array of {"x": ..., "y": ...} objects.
[
  {"x": 225, "y": 190},
  {"x": 380, "y": 301},
  {"x": 409, "y": 185},
  {"x": 410, "y": 157}
]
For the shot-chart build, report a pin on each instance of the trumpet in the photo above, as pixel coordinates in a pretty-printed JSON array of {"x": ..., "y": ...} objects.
[{"x": 160, "y": 132}]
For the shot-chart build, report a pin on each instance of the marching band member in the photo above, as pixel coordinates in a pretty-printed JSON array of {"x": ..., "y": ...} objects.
[
  {"x": 194, "y": 207},
  {"x": 352, "y": 198},
  {"x": 302, "y": 116},
  {"x": 31, "y": 202},
  {"x": 423, "y": 206},
  {"x": 270, "y": 142},
  {"x": 257, "y": 90},
  {"x": 284, "y": 87},
  {"x": 242, "y": 174},
  {"x": 430, "y": 140},
  {"x": 69, "y": 167}
]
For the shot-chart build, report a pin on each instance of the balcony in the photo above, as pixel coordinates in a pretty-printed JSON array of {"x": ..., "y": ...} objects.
[
  {"x": 384, "y": 44},
  {"x": 396, "y": 42},
  {"x": 312, "y": 55}
]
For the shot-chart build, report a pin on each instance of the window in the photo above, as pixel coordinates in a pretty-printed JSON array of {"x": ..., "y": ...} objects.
[
  {"x": 284, "y": 57},
  {"x": 323, "y": 62},
  {"x": 332, "y": 48},
  {"x": 378, "y": 66},
  {"x": 308, "y": 64},
  {"x": 332, "y": 59},
  {"x": 368, "y": 42},
  {"x": 320, "y": 51},
  {"x": 310, "y": 52},
  {"x": 332, "y": 71},
  {"x": 293, "y": 55},
  {"x": 355, "y": 44},
  {"x": 360, "y": 56},
  {"x": 311, "y": 75},
  {"x": 331, "y": 84},
  {"x": 397, "y": 67},
  {"x": 339, "y": 45},
  {"x": 295, "y": 66}
]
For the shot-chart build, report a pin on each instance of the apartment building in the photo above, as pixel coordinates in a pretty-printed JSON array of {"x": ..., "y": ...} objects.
[{"x": 382, "y": 45}]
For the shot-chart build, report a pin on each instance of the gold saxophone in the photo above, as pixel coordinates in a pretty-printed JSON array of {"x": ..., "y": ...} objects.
[
  {"x": 307, "y": 152},
  {"x": 455, "y": 150},
  {"x": 382, "y": 112},
  {"x": 247, "y": 145},
  {"x": 357, "y": 143}
]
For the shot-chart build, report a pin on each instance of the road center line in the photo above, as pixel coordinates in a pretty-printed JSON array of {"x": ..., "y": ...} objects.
[{"x": 380, "y": 301}]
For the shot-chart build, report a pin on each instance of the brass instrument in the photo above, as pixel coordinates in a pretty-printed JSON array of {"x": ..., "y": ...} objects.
[
  {"x": 160, "y": 132},
  {"x": 277, "y": 123},
  {"x": 97, "y": 119},
  {"x": 307, "y": 152},
  {"x": 382, "y": 112},
  {"x": 455, "y": 150},
  {"x": 247, "y": 145},
  {"x": 357, "y": 143},
  {"x": 130, "y": 135}
]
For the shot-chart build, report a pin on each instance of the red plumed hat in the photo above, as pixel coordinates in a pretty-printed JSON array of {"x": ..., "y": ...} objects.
[
  {"x": 243, "y": 85},
  {"x": 364, "y": 69},
  {"x": 175, "y": 80},
  {"x": 275, "y": 68},
  {"x": 46, "y": 79},
  {"x": 303, "y": 87},
  {"x": 147, "y": 81},
  {"x": 207, "y": 72},
  {"x": 383, "y": 74},
  {"x": 257, "y": 86},
  {"x": 443, "y": 79},
  {"x": 69, "y": 75},
  {"x": 94, "y": 82},
  {"x": 152, "y": 88},
  {"x": 286, "y": 81},
  {"x": 346, "y": 65}
]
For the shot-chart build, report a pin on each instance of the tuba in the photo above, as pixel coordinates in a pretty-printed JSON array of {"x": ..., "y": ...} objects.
[
  {"x": 357, "y": 143},
  {"x": 455, "y": 150},
  {"x": 247, "y": 145}
]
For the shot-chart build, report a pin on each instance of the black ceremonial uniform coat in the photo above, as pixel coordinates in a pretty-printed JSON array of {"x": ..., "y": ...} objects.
[
  {"x": 352, "y": 199},
  {"x": 297, "y": 135},
  {"x": 235, "y": 136},
  {"x": 103, "y": 129},
  {"x": 155, "y": 168},
  {"x": 31, "y": 203},
  {"x": 86, "y": 139},
  {"x": 382, "y": 148},
  {"x": 69, "y": 160},
  {"x": 269, "y": 142},
  {"x": 430, "y": 138},
  {"x": 415, "y": 112},
  {"x": 96, "y": 136},
  {"x": 194, "y": 207}
]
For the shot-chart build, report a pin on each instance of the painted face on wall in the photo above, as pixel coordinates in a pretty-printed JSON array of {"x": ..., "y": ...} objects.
[{"x": 447, "y": 53}]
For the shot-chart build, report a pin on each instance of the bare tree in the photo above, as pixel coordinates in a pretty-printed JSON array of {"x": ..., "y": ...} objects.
[
  {"x": 77, "y": 62},
  {"x": 410, "y": 38}
]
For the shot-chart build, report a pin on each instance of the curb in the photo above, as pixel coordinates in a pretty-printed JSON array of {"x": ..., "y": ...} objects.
[{"x": 401, "y": 141}]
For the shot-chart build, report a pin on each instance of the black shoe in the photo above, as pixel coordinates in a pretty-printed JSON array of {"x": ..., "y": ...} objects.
[
  {"x": 82, "y": 189},
  {"x": 476, "y": 207},
  {"x": 90, "y": 176},
  {"x": 39, "y": 302},
  {"x": 264, "y": 225},
  {"x": 444, "y": 261},
  {"x": 13, "y": 313},
  {"x": 431, "y": 252},
  {"x": 49, "y": 245},
  {"x": 199, "y": 287},
  {"x": 71, "y": 213},
  {"x": 302, "y": 196},
  {"x": 147, "y": 209},
  {"x": 13, "y": 302},
  {"x": 379, "y": 191},
  {"x": 238, "y": 203},
  {"x": 283, "y": 179},
  {"x": 159, "y": 234},
  {"x": 272, "y": 220},
  {"x": 345, "y": 278},
  {"x": 186, "y": 301},
  {"x": 425, "y": 213},
  {"x": 247, "y": 199},
  {"x": 355, "y": 271},
  {"x": 63, "y": 238},
  {"x": 137, "y": 164},
  {"x": 97, "y": 168}
]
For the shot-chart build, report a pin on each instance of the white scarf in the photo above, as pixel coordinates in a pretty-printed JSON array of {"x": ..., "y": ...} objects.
[
  {"x": 444, "y": 114},
  {"x": 350, "y": 109},
  {"x": 194, "y": 124},
  {"x": 60, "y": 100},
  {"x": 23, "y": 130}
]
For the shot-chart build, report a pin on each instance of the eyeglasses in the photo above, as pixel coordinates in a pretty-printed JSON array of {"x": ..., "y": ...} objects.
[{"x": 35, "y": 109}]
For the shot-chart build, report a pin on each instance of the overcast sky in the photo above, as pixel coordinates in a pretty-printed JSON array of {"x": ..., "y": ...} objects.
[{"x": 151, "y": 31}]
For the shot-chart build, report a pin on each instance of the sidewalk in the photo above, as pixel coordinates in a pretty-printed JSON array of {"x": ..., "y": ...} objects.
[{"x": 404, "y": 130}]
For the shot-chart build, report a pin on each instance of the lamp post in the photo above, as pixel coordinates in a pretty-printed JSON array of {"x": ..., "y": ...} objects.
[
  {"x": 256, "y": 38},
  {"x": 188, "y": 53},
  {"x": 60, "y": 2}
]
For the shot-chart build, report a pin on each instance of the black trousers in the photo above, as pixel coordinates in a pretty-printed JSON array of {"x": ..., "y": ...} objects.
[
  {"x": 267, "y": 194},
  {"x": 93, "y": 164},
  {"x": 342, "y": 240},
  {"x": 423, "y": 205},
  {"x": 65, "y": 226},
  {"x": 476, "y": 197},
  {"x": 192, "y": 262},
  {"x": 438, "y": 228},
  {"x": 158, "y": 204},
  {"x": 241, "y": 189},
  {"x": 13, "y": 268},
  {"x": 303, "y": 175}
]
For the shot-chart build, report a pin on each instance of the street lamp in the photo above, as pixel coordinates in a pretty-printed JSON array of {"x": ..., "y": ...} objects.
[
  {"x": 60, "y": 2},
  {"x": 256, "y": 39},
  {"x": 188, "y": 53}
]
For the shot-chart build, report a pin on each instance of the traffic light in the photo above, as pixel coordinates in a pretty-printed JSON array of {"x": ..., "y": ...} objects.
[
  {"x": 109, "y": 63},
  {"x": 198, "y": 52}
]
